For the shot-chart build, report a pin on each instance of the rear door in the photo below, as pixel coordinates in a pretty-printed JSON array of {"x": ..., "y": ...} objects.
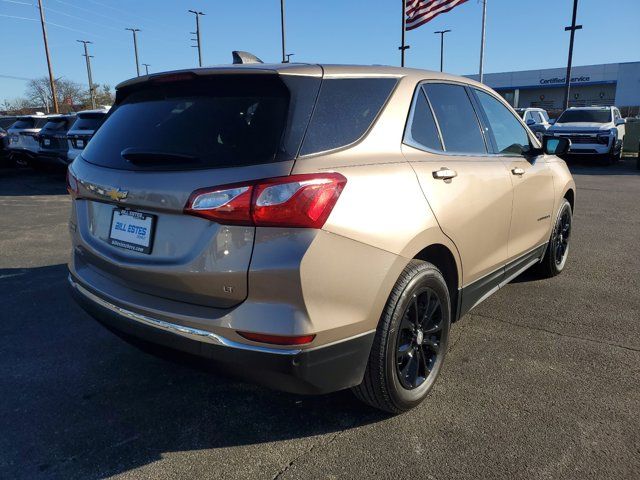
[
  {"x": 161, "y": 142},
  {"x": 532, "y": 180},
  {"x": 468, "y": 189}
]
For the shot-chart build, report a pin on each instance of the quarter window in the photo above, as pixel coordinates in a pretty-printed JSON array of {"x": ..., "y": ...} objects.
[
  {"x": 509, "y": 135},
  {"x": 422, "y": 130},
  {"x": 456, "y": 117}
]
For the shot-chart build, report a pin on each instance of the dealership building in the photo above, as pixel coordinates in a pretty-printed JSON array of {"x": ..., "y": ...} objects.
[{"x": 610, "y": 84}]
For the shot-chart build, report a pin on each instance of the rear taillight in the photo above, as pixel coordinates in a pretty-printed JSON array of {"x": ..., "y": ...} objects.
[
  {"x": 303, "y": 201},
  {"x": 72, "y": 184}
]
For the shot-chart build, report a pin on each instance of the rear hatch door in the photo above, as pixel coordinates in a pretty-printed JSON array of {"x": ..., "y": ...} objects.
[{"x": 159, "y": 143}]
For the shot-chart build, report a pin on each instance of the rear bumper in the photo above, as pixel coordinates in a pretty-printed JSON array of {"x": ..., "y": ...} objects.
[{"x": 308, "y": 371}]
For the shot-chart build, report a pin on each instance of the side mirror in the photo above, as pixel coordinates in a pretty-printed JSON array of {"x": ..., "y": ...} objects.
[
  {"x": 555, "y": 145},
  {"x": 620, "y": 121},
  {"x": 530, "y": 121},
  {"x": 552, "y": 121}
]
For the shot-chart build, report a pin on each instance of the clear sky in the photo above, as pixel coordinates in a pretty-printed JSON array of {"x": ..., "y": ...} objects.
[{"x": 521, "y": 34}]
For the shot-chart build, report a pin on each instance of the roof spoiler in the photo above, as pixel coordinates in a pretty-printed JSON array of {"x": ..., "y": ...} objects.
[{"x": 240, "y": 57}]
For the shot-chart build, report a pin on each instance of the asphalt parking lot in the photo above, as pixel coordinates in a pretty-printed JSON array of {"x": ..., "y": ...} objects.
[{"x": 541, "y": 381}]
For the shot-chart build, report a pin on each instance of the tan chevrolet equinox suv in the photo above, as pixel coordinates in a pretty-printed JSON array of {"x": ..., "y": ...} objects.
[{"x": 311, "y": 227}]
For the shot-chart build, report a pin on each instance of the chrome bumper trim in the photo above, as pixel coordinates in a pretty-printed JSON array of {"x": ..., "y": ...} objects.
[{"x": 188, "y": 332}]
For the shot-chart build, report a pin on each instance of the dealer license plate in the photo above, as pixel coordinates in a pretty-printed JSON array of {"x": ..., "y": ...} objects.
[{"x": 132, "y": 230}]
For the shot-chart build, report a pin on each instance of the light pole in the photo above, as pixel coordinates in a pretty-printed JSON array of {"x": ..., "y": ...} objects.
[
  {"x": 285, "y": 59},
  {"x": 288, "y": 55},
  {"x": 135, "y": 47},
  {"x": 197, "y": 32},
  {"x": 442, "y": 32},
  {"x": 88, "y": 57},
  {"x": 46, "y": 51},
  {"x": 572, "y": 29},
  {"x": 146, "y": 66}
]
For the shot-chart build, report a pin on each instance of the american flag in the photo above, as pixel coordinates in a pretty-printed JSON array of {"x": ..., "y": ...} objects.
[{"x": 420, "y": 12}]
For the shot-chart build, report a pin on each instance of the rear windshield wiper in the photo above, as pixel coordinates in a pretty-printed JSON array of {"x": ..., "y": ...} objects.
[{"x": 142, "y": 157}]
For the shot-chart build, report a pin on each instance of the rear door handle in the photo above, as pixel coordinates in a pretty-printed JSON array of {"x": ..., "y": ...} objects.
[
  {"x": 444, "y": 174},
  {"x": 517, "y": 171}
]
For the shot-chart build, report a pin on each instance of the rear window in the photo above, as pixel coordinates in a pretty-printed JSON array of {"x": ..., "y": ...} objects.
[
  {"x": 346, "y": 108},
  {"x": 24, "y": 123},
  {"x": 585, "y": 116},
  {"x": 88, "y": 121},
  {"x": 58, "y": 125},
  {"x": 225, "y": 121}
]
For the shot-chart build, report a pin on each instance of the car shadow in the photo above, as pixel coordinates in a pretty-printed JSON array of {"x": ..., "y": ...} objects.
[
  {"x": 25, "y": 181},
  {"x": 628, "y": 166},
  {"x": 78, "y": 402}
]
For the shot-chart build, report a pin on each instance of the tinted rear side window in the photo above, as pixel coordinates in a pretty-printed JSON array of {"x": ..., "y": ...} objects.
[
  {"x": 88, "y": 122},
  {"x": 422, "y": 130},
  {"x": 6, "y": 122},
  {"x": 346, "y": 108},
  {"x": 456, "y": 117},
  {"x": 225, "y": 121},
  {"x": 58, "y": 125}
]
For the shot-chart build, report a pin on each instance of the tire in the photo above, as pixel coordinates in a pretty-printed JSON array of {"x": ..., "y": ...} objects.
[
  {"x": 402, "y": 346},
  {"x": 554, "y": 261},
  {"x": 615, "y": 156}
]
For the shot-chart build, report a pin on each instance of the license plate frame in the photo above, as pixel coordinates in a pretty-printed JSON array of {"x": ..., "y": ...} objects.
[{"x": 126, "y": 238}]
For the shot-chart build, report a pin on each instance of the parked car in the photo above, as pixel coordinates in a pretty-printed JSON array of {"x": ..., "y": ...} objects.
[
  {"x": 593, "y": 131},
  {"x": 536, "y": 119},
  {"x": 23, "y": 137},
  {"x": 53, "y": 141},
  {"x": 311, "y": 227},
  {"x": 87, "y": 122}
]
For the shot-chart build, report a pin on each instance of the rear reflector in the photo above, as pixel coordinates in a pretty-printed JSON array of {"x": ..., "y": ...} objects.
[
  {"x": 277, "y": 339},
  {"x": 303, "y": 201}
]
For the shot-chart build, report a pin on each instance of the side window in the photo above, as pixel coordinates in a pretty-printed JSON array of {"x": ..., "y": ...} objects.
[
  {"x": 456, "y": 117},
  {"x": 536, "y": 117},
  {"x": 421, "y": 129},
  {"x": 545, "y": 116},
  {"x": 616, "y": 114},
  {"x": 345, "y": 109},
  {"x": 529, "y": 116},
  {"x": 508, "y": 133}
]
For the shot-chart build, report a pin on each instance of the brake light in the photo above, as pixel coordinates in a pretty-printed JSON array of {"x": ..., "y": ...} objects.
[
  {"x": 303, "y": 201},
  {"x": 277, "y": 339},
  {"x": 72, "y": 184}
]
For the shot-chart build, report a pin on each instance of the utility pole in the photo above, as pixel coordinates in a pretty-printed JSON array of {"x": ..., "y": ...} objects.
[
  {"x": 52, "y": 82},
  {"x": 403, "y": 46},
  {"x": 572, "y": 29},
  {"x": 135, "y": 47},
  {"x": 442, "y": 32},
  {"x": 285, "y": 59},
  {"x": 482, "y": 39},
  {"x": 197, "y": 33},
  {"x": 146, "y": 66},
  {"x": 88, "y": 57}
]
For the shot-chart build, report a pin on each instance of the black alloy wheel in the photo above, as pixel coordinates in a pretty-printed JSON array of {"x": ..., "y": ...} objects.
[{"x": 419, "y": 338}]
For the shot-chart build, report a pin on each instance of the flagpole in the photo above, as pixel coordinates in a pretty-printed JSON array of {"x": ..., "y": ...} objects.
[
  {"x": 403, "y": 47},
  {"x": 484, "y": 24}
]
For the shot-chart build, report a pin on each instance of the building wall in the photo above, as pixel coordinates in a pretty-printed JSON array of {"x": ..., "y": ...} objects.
[{"x": 609, "y": 84}]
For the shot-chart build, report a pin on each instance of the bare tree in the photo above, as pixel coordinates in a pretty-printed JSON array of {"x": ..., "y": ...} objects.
[{"x": 70, "y": 93}]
